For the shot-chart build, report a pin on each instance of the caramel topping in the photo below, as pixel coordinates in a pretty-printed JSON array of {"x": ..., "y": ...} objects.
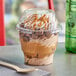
[{"x": 36, "y": 22}]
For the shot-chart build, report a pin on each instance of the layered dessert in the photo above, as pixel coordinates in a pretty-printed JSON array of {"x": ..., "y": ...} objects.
[{"x": 38, "y": 41}]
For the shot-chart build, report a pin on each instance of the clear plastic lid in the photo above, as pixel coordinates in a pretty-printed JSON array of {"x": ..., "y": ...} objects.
[{"x": 40, "y": 12}]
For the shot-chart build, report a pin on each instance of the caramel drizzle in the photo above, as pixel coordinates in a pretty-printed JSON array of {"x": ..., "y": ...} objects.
[{"x": 34, "y": 20}]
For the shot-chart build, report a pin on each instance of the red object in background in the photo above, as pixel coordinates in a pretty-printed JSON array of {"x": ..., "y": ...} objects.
[
  {"x": 2, "y": 28},
  {"x": 51, "y": 4}
]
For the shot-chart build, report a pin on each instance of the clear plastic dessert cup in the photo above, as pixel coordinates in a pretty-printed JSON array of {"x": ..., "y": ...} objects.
[{"x": 37, "y": 41}]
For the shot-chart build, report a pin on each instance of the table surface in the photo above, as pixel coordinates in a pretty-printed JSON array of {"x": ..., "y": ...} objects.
[{"x": 64, "y": 63}]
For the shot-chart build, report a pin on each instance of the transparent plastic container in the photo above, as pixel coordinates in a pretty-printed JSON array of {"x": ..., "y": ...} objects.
[{"x": 38, "y": 45}]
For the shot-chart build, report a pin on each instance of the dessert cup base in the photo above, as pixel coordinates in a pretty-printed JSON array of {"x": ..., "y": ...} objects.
[{"x": 39, "y": 61}]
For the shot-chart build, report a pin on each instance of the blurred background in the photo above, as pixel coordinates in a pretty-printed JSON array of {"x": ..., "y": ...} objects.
[{"x": 14, "y": 9}]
